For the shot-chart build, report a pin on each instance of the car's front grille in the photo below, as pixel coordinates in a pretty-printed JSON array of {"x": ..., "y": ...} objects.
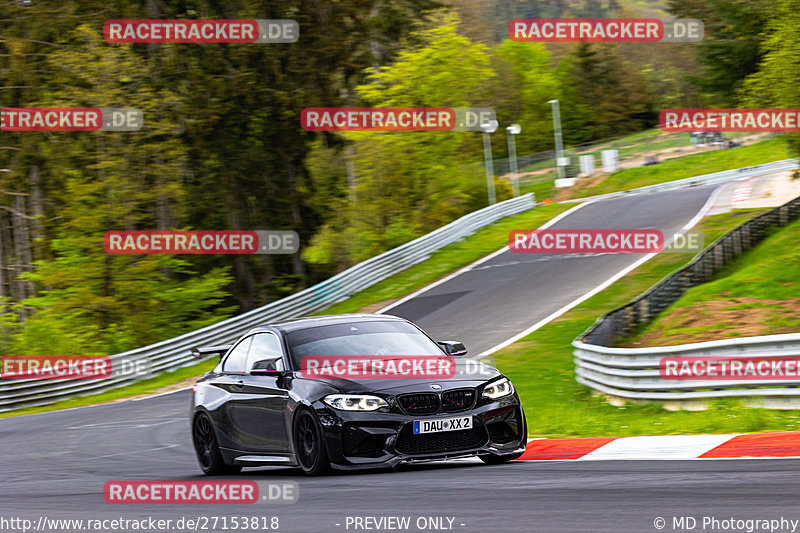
[
  {"x": 422, "y": 403},
  {"x": 437, "y": 443},
  {"x": 457, "y": 400}
]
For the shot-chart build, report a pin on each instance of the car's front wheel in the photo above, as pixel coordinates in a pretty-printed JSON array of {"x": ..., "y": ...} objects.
[
  {"x": 308, "y": 444},
  {"x": 207, "y": 449},
  {"x": 492, "y": 459}
]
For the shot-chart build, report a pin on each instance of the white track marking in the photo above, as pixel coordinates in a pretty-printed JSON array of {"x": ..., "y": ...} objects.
[
  {"x": 160, "y": 394},
  {"x": 476, "y": 263},
  {"x": 119, "y": 424},
  {"x": 166, "y": 446},
  {"x": 667, "y": 447},
  {"x": 700, "y": 214}
]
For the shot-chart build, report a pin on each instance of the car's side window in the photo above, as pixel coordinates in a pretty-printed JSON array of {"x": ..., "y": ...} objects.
[
  {"x": 265, "y": 353},
  {"x": 235, "y": 362}
]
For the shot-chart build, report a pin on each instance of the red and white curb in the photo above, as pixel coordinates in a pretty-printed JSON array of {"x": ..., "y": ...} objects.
[
  {"x": 669, "y": 447},
  {"x": 742, "y": 192}
]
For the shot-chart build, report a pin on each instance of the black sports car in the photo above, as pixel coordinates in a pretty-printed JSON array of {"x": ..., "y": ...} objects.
[{"x": 261, "y": 405}]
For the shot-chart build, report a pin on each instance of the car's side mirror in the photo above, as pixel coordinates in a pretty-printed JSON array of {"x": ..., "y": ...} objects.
[
  {"x": 202, "y": 353},
  {"x": 270, "y": 367},
  {"x": 453, "y": 348}
]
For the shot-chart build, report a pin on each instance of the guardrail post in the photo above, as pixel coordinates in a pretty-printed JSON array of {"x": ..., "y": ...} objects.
[
  {"x": 687, "y": 276},
  {"x": 718, "y": 259},
  {"x": 694, "y": 272},
  {"x": 644, "y": 310},
  {"x": 630, "y": 319}
]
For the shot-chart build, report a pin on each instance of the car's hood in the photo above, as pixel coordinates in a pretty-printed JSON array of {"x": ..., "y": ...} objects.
[{"x": 469, "y": 373}]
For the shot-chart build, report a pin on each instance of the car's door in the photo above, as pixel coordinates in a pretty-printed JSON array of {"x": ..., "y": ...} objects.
[
  {"x": 257, "y": 411},
  {"x": 231, "y": 380}
]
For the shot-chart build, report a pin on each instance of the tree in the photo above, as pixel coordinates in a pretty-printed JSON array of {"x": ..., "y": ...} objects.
[
  {"x": 93, "y": 301},
  {"x": 610, "y": 95},
  {"x": 775, "y": 83},
  {"x": 731, "y": 46},
  {"x": 414, "y": 181},
  {"x": 525, "y": 83}
]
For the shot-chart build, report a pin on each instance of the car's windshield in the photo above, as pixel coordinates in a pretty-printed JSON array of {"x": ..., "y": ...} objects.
[{"x": 379, "y": 338}]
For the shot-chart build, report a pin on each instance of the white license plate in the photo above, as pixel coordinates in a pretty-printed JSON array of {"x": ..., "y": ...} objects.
[{"x": 442, "y": 424}]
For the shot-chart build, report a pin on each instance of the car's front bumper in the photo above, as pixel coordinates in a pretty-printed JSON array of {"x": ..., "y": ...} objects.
[{"x": 386, "y": 439}]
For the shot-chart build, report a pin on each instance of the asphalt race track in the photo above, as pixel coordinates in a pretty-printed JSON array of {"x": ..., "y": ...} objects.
[
  {"x": 501, "y": 297},
  {"x": 56, "y": 464}
]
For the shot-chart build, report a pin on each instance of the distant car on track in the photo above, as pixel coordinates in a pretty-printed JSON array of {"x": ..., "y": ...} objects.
[{"x": 259, "y": 407}]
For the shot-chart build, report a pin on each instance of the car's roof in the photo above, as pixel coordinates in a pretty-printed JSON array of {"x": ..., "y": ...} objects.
[{"x": 327, "y": 320}]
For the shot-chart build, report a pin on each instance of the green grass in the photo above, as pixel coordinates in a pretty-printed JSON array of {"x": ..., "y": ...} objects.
[
  {"x": 643, "y": 141},
  {"x": 447, "y": 260},
  {"x": 688, "y": 166},
  {"x": 146, "y": 386},
  {"x": 543, "y": 186},
  {"x": 542, "y": 369},
  {"x": 770, "y": 271},
  {"x": 672, "y": 169}
]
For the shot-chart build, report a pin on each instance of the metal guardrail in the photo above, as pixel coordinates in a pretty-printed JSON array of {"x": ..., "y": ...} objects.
[
  {"x": 705, "y": 179},
  {"x": 175, "y": 353},
  {"x": 634, "y": 372}
]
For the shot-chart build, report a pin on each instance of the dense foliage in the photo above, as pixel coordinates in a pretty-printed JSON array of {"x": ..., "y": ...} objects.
[{"x": 222, "y": 146}]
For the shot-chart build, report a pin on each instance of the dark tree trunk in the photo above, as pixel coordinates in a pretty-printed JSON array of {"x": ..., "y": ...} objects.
[
  {"x": 298, "y": 267},
  {"x": 37, "y": 211},
  {"x": 7, "y": 251},
  {"x": 3, "y": 293},
  {"x": 22, "y": 246}
]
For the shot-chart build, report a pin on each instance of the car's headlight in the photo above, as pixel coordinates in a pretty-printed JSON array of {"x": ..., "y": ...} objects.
[
  {"x": 354, "y": 402},
  {"x": 498, "y": 389}
]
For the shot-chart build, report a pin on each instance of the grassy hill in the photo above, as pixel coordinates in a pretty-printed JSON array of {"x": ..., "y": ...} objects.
[{"x": 757, "y": 294}]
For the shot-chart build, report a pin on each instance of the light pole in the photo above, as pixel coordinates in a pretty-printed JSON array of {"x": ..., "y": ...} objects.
[
  {"x": 488, "y": 128},
  {"x": 512, "y": 130},
  {"x": 557, "y": 135}
]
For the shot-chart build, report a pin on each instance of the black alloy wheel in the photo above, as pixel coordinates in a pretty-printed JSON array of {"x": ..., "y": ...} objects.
[
  {"x": 205, "y": 445},
  {"x": 311, "y": 455}
]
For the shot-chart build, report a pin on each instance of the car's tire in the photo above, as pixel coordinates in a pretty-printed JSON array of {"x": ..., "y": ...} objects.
[
  {"x": 492, "y": 459},
  {"x": 312, "y": 457},
  {"x": 207, "y": 449}
]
